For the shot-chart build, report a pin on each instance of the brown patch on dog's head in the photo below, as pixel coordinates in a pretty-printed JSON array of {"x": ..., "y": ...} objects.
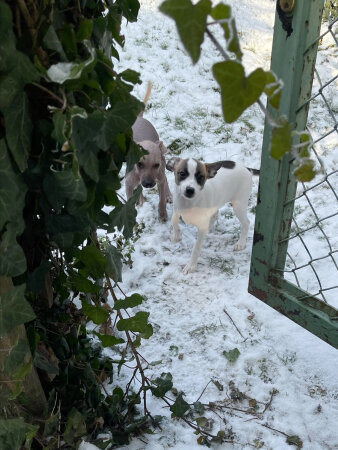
[
  {"x": 201, "y": 173},
  {"x": 213, "y": 168}
]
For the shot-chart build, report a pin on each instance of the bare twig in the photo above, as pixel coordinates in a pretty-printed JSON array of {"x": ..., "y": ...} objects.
[
  {"x": 217, "y": 45},
  {"x": 231, "y": 320}
]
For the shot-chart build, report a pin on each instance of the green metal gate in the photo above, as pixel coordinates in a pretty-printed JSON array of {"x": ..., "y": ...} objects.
[{"x": 288, "y": 272}]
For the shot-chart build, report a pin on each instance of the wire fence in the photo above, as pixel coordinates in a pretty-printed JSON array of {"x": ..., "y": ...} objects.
[{"x": 312, "y": 256}]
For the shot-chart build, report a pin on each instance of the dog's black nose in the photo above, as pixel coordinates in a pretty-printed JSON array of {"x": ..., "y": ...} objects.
[
  {"x": 189, "y": 191},
  {"x": 148, "y": 183}
]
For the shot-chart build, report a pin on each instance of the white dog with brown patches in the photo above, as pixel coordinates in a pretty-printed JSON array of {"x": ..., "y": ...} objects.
[{"x": 200, "y": 190}]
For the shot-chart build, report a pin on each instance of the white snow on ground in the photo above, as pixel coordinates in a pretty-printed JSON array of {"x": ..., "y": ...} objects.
[{"x": 191, "y": 327}]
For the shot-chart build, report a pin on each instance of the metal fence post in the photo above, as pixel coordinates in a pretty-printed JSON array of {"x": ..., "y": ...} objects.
[{"x": 293, "y": 60}]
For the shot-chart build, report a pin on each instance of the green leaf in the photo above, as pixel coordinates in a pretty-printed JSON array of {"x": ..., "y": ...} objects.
[
  {"x": 12, "y": 190},
  {"x": 36, "y": 279},
  {"x": 128, "y": 302},
  {"x": 190, "y": 21},
  {"x": 95, "y": 313},
  {"x": 163, "y": 384},
  {"x": 82, "y": 284},
  {"x": 14, "y": 433},
  {"x": 52, "y": 42},
  {"x": 123, "y": 216},
  {"x": 16, "y": 356},
  {"x": 180, "y": 407},
  {"x": 294, "y": 440},
  {"x": 232, "y": 355},
  {"x": 129, "y": 9},
  {"x": 137, "y": 323},
  {"x": 119, "y": 119},
  {"x": 12, "y": 257},
  {"x": 306, "y": 170},
  {"x": 113, "y": 265},
  {"x": 65, "y": 71},
  {"x": 131, "y": 76},
  {"x": 108, "y": 341},
  {"x": 85, "y": 134},
  {"x": 18, "y": 129},
  {"x": 134, "y": 154},
  {"x": 14, "y": 309},
  {"x": 75, "y": 427},
  {"x": 238, "y": 91},
  {"x": 93, "y": 261},
  {"x": 49, "y": 365},
  {"x": 201, "y": 422},
  {"x": 64, "y": 185},
  {"x": 281, "y": 139},
  {"x": 273, "y": 89},
  {"x": 221, "y": 12},
  {"x": 85, "y": 30}
]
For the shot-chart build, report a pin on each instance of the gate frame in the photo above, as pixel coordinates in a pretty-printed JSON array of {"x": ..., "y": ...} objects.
[{"x": 293, "y": 61}]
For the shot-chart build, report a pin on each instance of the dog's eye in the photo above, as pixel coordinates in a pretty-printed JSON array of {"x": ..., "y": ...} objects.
[
  {"x": 140, "y": 165},
  {"x": 182, "y": 174},
  {"x": 156, "y": 166}
]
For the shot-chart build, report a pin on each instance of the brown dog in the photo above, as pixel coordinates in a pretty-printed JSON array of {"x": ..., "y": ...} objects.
[{"x": 150, "y": 169}]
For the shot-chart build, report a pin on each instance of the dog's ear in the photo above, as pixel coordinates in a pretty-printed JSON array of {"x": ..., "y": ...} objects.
[
  {"x": 172, "y": 163},
  {"x": 162, "y": 147},
  {"x": 213, "y": 168}
]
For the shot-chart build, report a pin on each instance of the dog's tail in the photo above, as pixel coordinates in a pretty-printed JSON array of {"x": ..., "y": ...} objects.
[
  {"x": 146, "y": 98},
  {"x": 254, "y": 171}
]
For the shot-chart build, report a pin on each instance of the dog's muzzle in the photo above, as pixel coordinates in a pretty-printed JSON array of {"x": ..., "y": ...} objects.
[
  {"x": 148, "y": 183},
  {"x": 189, "y": 192}
]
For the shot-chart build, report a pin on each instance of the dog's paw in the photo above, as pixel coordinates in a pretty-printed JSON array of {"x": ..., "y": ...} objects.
[
  {"x": 239, "y": 246},
  {"x": 169, "y": 198},
  {"x": 176, "y": 237},
  {"x": 163, "y": 218},
  {"x": 190, "y": 267}
]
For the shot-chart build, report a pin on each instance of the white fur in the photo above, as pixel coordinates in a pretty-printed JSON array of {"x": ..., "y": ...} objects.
[{"x": 228, "y": 185}]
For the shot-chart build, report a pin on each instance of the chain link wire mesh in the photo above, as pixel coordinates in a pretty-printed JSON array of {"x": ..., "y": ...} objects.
[{"x": 312, "y": 257}]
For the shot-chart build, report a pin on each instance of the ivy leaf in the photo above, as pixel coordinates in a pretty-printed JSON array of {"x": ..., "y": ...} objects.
[
  {"x": 65, "y": 71},
  {"x": 232, "y": 355},
  {"x": 129, "y": 9},
  {"x": 190, "y": 21},
  {"x": 180, "y": 407},
  {"x": 85, "y": 30},
  {"x": 128, "y": 302},
  {"x": 305, "y": 171},
  {"x": 163, "y": 384},
  {"x": 75, "y": 427},
  {"x": 238, "y": 91},
  {"x": 14, "y": 309},
  {"x": 137, "y": 323},
  {"x": 107, "y": 340},
  {"x": 280, "y": 139},
  {"x": 294, "y": 440},
  {"x": 16, "y": 356},
  {"x": 93, "y": 261},
  {"x": 221, "y": 12},
  {"x": 15, "y": 432},
  {"x": 113, "y": 266},
  {"x": 52, "y": 42},
  {"x": 273, "y": 89},
  {"x": 18, "y": 129},
  {"x": 82, "y": 284},
  {"x": 95, "y": 313},
  {"x": 12, "y": 257},
  {"x": 123, "y": 216}
]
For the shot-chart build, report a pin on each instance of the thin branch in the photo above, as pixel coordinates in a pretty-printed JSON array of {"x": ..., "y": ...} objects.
[
  {"x": 49, "y": 92},
  {"x": 225, "y": 311},
  {"x": 217, "y": 45}
]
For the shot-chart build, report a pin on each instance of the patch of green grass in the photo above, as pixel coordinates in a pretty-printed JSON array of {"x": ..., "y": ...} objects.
[{"x": 222, "y": 264}]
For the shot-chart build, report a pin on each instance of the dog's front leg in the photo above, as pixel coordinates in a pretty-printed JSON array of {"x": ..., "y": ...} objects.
[
  {"x": 162, "y": 206},
  {"x": 191, "y": 266},
  {"x": 176, "y": 235}
]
